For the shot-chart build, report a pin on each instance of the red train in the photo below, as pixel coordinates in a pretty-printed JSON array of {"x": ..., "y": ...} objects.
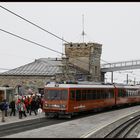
[{"x": 69, "y": 99}]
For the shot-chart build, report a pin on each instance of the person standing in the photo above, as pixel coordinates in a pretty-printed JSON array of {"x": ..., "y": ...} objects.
[
  {"x": 33, "y": 106},
  {"x": 21, "y": 109},
  {"x": 26, "y": 102},
  {"x": 3, "y": 108},
  {"x": 13, "y": 108},
  {"x": 6, "y": 108}
]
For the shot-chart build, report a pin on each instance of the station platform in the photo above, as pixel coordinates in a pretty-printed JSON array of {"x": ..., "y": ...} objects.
[
  {"x": 78, "y": 128},
  {"x": 11, "y": 119}
]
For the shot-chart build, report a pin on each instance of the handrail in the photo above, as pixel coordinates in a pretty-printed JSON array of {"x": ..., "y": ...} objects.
[{"x": 121, "y": 64}]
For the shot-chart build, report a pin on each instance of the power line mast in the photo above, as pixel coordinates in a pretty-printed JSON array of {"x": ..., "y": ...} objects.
[{"x": 83, "y": 32}]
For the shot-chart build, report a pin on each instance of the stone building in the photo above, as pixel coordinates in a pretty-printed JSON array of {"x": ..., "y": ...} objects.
[
  {"x": 87, "y": 57},
  {"x": 82, "y": 62},
  {"x": 36, "y": 74}
]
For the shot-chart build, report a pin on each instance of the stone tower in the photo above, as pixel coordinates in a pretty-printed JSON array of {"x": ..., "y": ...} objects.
[{"x": 85, "y": 56}]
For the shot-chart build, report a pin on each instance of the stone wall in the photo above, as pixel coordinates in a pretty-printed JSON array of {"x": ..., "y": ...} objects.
[
  {"x": 28, "y": 82},
  {"x": 86, "y": 56}
]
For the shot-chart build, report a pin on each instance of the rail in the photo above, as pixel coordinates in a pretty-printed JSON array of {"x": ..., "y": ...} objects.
[{"x": 124, "y": 130}]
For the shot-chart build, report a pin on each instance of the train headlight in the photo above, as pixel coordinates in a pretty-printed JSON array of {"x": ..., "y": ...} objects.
[
  {"x": 46, "y": 105},
  {"x": 57, "y": 106},
  {"x": 63, "y": 106}
]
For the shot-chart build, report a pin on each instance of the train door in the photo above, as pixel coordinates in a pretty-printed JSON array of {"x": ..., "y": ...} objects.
[
  {"x": 78, "y": 104},
  {"x": 72, "y": 100}
]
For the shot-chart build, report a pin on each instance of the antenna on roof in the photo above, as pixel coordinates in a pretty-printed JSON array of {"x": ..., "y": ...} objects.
[{"x": 83, "y": 32}]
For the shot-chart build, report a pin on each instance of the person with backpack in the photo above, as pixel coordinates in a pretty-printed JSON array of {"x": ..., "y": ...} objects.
[
  {"x": 21, "y": 108},
  {"x": 3, "y": 107}
]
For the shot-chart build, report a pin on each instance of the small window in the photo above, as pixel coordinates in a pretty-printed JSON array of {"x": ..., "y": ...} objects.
[
  {"x": 78, "y": 95},
  {"x": 72, "y": 94},
  {"x": 84, "y": 96}
]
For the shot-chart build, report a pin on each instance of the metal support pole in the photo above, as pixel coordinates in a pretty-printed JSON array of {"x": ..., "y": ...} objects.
[
  {"x": 127, "y": 79},
  {"x": 134, "y": 81},
  {"x": 112, "y": 77}
]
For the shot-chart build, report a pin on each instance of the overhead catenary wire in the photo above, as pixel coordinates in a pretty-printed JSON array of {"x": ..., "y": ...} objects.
[
  {"x": 39, "y": 28},
  {"x": 35, "y": 43},
  {"x": 30, "y": 41},
  {"x": 33, "y": 24}
]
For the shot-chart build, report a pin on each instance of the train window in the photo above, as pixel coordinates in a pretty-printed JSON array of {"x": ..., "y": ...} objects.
[
  {"x": 130, "y": 92},
  {"x": 127, "y": 93},
  {"x": 106, "y": 93},
  {"x": 84, "y": 96},
  {"x": 89, "y": 91},
  {"x": 57, "y": 94},
  {"x": 98, "y": 96},
  {"x": 93, "y": 91},
  {"x": 53, "y": 95},
  {"x": 89, "y": 96},
  {"x": 72, "y": 94},
  {"x": 64, "y": 94},
  {"x": 120, "y": 93},
  {"x": 78, "y": 95},
  {"x": 111, "y": 93},
  {"x": 94, "y": 96},
  {"x": 102, "y": 94}
]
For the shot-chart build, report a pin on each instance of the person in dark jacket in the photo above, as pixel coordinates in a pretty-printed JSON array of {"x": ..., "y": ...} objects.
[
  {"x": 33, "y": 106},
  {"x": 6, "y": 108},
  {"x": 13, "y": 108},
  {"x": 3, "y": 107}
]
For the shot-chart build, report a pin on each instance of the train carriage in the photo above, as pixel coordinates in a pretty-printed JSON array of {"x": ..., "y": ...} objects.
[
  {"x": 69, "y": 99},
  {"x": 128, "y": 95}
]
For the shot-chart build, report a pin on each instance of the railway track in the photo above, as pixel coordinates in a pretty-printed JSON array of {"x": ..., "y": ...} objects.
[
  {"x": 125, "y": 129},
  {"x": 12, "y": 128}
]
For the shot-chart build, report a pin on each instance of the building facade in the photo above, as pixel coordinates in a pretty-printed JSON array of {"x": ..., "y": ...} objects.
[{"x": 82, "y": 62}]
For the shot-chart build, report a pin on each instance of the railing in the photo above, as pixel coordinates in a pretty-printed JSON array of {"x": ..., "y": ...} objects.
[{"x": 121, "y": 64}]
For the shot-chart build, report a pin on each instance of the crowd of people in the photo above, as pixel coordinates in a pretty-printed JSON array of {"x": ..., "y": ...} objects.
[{"x": 23, "y": 105}]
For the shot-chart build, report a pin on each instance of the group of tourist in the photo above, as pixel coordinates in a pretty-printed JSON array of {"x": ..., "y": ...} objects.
[{"x": 21, "y": 106}]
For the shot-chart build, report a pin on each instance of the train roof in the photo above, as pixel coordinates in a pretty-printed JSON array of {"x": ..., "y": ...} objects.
[
  {"x": 78, "y": 86},
  {"x": 89, "y": 86}
]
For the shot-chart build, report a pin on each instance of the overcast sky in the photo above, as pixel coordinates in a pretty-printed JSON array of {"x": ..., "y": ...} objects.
[{"x": 115, "y": 25}]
